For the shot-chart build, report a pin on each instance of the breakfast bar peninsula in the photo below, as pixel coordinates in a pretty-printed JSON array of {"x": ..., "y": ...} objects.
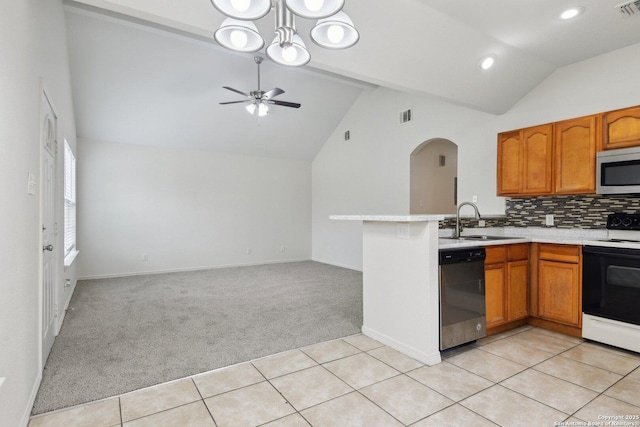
[{"x": 400, "y": 282}]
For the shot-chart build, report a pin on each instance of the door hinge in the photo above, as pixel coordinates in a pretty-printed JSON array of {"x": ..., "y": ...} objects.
[{"x": 55, "y": 310}]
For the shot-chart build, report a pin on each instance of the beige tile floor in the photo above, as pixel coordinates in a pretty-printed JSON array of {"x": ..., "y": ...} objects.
[{"x": 523, "y": 377}]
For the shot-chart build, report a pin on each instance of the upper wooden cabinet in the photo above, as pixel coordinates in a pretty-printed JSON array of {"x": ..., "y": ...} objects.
[
  {"x": 621, "y": 128},
  {"x": 556, "y": 158},
  {"x": 575, "y": 156},
  {"x": 510, "y": 162},
  {"x": 537, "y": 159},
  {"x": 525, "y": 161}
]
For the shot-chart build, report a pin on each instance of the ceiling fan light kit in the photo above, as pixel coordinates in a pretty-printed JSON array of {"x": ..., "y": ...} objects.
[
  {"x": 334, "y": 29},
  {"x": 258, "y": 100}
]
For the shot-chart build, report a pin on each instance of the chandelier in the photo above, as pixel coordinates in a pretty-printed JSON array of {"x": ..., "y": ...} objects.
[{"x": 334, "y": 29}]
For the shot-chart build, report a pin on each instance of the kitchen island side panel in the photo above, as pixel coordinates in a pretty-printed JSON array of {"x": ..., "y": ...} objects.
[{"x": 400, "y": 287}]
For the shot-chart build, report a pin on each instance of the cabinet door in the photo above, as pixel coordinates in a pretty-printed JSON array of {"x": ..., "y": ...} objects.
[
  {"x": 517, "y": 289},
  {"x": 621, "y": 128},
  {"x": 509, "y": 163},
  {"x": 537, "y": 145},
  {"x": 575, "y": 156},
  {"x": 494, "y": 277},
  {"x": 559, "y": 292}
]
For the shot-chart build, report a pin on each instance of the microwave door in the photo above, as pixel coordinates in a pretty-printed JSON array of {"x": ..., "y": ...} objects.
[{"x": 618, "y": 174}]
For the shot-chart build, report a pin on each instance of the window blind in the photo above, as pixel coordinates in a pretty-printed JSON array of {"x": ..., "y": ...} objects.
[{"x": 69, "y": 199}]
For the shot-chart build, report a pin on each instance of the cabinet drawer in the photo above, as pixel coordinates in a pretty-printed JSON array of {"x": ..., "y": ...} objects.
[
  {"x": 518, "y": 252},
  {"x": 495, "y": 254},
  {"x": 561, "y": 253}
]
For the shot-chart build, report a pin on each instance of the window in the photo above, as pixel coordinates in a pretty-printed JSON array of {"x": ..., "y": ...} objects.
[{"x": 69, "y": 204}]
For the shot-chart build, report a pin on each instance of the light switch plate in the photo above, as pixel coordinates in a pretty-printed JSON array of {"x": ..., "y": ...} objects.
[{"x": 32, "y": 184}]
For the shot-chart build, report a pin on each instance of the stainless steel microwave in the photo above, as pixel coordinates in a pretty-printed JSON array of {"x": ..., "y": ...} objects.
[{"x": 618, "y": 171}]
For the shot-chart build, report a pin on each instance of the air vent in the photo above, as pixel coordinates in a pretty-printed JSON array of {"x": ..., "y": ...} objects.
[
  {"x": 405, "y": 116},
  {"x": 347, "y": 135},
  {"x": 629, "y": 8}
]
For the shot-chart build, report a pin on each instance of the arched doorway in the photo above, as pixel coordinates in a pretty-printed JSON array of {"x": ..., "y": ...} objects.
[{"x": 434, "y": 175}]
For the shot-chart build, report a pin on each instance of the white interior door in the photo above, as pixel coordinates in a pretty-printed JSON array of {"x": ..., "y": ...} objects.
[{"x": 48, "y": 173}]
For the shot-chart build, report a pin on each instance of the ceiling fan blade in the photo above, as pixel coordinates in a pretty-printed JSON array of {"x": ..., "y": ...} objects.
[
  {"x": 235, "y": 102},
  {"x": 284, "y": 103},
  {"x": 236, "y": 91},
  {"x": 273, "y": 93}
]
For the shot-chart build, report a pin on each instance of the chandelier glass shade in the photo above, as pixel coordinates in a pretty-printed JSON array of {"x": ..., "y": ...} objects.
[
  {"x": 243, "y": 9},
  {"x": 334, "y": 29},
  {"x": 293, "y": 54},
  {"x": 241, "y": 36},
  {"x": 314, "y": 9},
  {"x": 335, "y": 32}
]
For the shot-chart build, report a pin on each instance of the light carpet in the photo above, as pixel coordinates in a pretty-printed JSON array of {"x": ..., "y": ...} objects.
[{"x": 123, "y": 334}]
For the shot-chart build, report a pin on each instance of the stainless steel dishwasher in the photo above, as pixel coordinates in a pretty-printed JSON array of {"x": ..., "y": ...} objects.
[{"x": 462, "y": 296}]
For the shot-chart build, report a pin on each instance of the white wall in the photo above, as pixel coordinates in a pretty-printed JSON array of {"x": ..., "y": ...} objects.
[
  {"x": 187, "y": 209},
  {"x": 33, "y": 49},
  {"x": 370, "y": 173}
]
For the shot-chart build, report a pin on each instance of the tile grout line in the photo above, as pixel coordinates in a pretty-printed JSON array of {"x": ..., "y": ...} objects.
[{"x": 203, "y": 402}]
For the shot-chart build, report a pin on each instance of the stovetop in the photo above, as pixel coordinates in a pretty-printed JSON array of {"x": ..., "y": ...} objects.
[{"x": 624, "y": 232}]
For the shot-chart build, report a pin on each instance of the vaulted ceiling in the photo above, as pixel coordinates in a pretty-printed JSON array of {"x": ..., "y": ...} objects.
[{"x": 148, "y": 71}]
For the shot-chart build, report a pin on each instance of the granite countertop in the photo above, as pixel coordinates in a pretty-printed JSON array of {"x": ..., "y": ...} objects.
[
  {"x": 521, "y": 235},
  {"x": 388, "y": 218}
]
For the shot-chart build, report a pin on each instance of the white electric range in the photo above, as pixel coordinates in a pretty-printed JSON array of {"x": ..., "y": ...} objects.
[{"x": 611, "y": 284}]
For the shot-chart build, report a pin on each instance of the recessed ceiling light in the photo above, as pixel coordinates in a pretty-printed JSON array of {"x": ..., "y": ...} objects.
[
  {"x": 487, "y": 62},
  {"x": 572, "y": 13}
]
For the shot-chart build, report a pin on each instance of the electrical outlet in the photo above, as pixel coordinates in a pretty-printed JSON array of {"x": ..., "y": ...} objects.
[
  {"x": 549, "y": 220},
  {"x": 402, "y": 230},
  {"x": 249, "y": 251},
  {"x": 282, "y": 248},
  {"x": 145, "y": 257},
  {"x": 474, "y": 198}
]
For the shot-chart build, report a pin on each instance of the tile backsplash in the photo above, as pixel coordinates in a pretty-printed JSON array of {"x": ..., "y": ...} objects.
[{"x": 575, "y": 211}]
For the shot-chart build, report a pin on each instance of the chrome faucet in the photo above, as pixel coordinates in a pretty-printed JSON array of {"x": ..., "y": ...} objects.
[{"x": 458, "y": 227}]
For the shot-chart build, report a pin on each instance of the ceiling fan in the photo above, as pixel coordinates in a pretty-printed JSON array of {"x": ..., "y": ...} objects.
[{"x": 259, "y": 99}]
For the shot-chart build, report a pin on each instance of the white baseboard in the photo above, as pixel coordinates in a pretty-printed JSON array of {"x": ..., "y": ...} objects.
[
  {"x": 426, "y": 358},
  {"x": 181, "y": 270},
  {"x": 24, "y": 422},
  {"x": 348, "y": 267}
]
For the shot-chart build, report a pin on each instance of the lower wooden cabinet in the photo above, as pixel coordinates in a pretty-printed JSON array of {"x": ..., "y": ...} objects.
[
  {"x": 506, "y": 270},
  {"x": 558, "y": 284}
]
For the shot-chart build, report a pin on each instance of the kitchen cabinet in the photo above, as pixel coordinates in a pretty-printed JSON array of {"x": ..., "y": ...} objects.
[
  {"x": 537, "y": 159},
  {"x": 509, "y": 163},
  {"x": 555, "y": 158},
  {"x": 525, "y": 161},
  {"x": 558, "y": 284},
  {"x": 506, "y": 284},
  {"x": 575, "y": 143},
  {"x": 621, "y": 128}
]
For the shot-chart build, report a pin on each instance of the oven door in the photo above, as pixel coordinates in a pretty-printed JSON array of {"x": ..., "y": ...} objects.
[{"x": 611, "y": 283}]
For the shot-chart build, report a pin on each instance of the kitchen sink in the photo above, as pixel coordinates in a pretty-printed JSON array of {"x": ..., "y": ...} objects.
[{"x": 480, "y": 237}]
